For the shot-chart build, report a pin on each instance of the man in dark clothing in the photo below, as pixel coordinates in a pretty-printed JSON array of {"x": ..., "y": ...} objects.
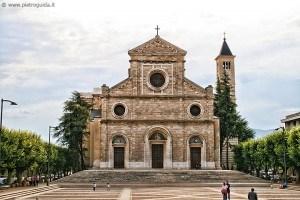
[
  {"x": 228, "y": 190},
  {"x": 252, "y": 195}
]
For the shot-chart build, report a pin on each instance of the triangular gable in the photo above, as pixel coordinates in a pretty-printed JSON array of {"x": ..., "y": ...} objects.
[
  {"x": 192, "y": 88},
  {"x": 123, "y": 87},
  {"x": 157, "y": 46}
]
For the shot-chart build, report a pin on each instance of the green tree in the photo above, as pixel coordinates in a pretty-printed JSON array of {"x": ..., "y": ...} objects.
[
  {"x": 239, "y": 158},
  {"x": 279, "y": 139},
  {"x": 21, "y": 151},
  {"x": 271, "y": 152},
  {"x": 294, "y": 150},
  {"x": 9, "y": 151},
  {"x": 60, "y": 162},
  {"x": 232, "y": 125},
  {"x": 32, "y": 151},
  {"x": 72, "y": 129},
  {"x": 24, "y": 153},
  {"x": 263, "y": 156}
]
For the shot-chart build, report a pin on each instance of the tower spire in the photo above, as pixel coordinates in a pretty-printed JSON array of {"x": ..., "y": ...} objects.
[{"x": 225, "y": 50}]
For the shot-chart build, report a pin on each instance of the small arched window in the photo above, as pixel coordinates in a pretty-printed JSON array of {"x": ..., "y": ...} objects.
[
  {"x": 226, "y": 64},
  {"x": 157, "y": 136},
  {"x": 195, "y": 140},
  {"x": 118, "y": 139}
]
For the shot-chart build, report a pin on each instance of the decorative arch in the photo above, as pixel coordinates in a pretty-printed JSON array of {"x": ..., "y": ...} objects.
[
  {"x": 193, "y": 141},
  {"x": 118, "y": 140},
  {"x": 165, "y": 138},
  {"x": 157, "y": 136}
]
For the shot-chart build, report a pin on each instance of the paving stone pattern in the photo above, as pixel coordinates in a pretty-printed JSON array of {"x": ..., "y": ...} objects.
[{"x": 166, "y": 193}]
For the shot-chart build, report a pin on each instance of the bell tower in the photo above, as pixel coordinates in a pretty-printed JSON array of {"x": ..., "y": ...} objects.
[{"x": 225, "y": 62}]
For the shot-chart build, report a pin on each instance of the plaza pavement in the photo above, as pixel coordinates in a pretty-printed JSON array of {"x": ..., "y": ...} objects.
[{"x": 152, "y": 193}]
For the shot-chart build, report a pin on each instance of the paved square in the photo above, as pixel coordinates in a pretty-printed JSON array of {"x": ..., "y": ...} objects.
[{"x": 162, "y": 193}]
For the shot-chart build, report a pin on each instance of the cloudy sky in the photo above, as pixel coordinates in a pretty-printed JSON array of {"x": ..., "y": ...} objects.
[{"x": 46, "y": 53}]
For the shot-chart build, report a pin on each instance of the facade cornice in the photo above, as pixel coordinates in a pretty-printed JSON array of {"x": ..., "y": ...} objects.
[{"x": 157, "y": 121}]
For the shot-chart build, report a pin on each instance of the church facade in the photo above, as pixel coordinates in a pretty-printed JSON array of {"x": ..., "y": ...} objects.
[{"x": 155, "y": 118}]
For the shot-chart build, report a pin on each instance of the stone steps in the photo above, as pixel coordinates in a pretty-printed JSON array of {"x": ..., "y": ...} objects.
[
  {"x": 18, "y": 194},
  {"x": 160, "y": 177}
]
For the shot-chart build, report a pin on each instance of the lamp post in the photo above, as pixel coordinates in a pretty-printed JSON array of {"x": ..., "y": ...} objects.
[
  {"x": 285, "y": 184},
  {"x": 48, "y": 174},
  {"x": 1, "y": 115}
]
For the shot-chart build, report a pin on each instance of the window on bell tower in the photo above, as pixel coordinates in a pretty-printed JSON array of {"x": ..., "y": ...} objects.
[{"x": 226, "y": 64}]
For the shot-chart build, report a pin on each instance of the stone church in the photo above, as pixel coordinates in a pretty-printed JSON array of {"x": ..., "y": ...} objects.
[{"x": 157, "y": 117}]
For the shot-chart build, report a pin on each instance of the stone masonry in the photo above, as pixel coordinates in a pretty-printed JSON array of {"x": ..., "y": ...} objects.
[{"x": 156, "y": 118}]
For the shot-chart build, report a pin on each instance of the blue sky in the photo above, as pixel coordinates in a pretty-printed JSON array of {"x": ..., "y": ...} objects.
[{"x": 46, "y": 53}]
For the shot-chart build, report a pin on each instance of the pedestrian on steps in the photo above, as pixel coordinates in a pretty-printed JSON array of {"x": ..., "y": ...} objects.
[
  {"x": 94, "y": 186},
  {"x": 228, "y": 189},
  {"x": 252, "y": 195},
  {"x": 224, "y": 191}
]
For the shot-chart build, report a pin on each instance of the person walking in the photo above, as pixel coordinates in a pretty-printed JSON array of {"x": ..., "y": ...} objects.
[
  {"x": 107, "y": 186},
  {"x": 224, "y": 191},
  {"x": 94, "y": 186},
  {"x": 252, "y": 195},
  {"x": 37, "y": 180},
  {"x": 34, "y": 180},
  {"x": 228, "y": 189}
]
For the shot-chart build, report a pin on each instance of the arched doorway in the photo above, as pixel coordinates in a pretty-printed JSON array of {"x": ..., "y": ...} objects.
[
  {"x": 195, "y": 145},
  {"x": 119, "y": 143},
  {"x": 157, "y": 140},
  {"x": 161, "y": 139}
]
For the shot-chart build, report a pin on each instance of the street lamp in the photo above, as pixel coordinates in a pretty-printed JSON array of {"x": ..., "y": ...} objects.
[
  {"x": 48, "y": 175},
  {"x": 284, "y": 156},
  {"x": 11, "y": 103}
]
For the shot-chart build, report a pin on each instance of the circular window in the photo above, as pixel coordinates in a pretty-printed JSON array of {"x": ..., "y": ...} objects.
[
  {"x": 119, "y": 110},
  {"x": 194, "y": 110},
  {"x": 157, "y": 79}
]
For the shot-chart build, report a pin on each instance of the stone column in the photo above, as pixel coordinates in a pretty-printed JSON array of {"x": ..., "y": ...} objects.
[{"x": 217, "y": 142}]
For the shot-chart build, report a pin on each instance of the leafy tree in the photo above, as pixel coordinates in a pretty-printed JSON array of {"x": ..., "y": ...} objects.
[
  {"x": 294, "y": 150},
  {"x": 263, "y": 158},
  {"x": 271, "y": 152},
  {"x": 72, "y": 129},
  {"x": 21, "y": 150},
  {"x": 24, "y": 151},
  {"x": 60, "y": 161},
  {"x": 242, "y": 129},
  {"x": 249, "y": 155},
  {"x": 31, "y": 150},
  {"x": 9, "y": 151},
  {"x": 239, "y": 158},
  {"x": 232, "y": 125},
  {"x": 280, "y": 148}
]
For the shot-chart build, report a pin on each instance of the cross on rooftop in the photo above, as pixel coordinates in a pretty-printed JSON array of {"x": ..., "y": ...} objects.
[{"x": 157, "y": 28}]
